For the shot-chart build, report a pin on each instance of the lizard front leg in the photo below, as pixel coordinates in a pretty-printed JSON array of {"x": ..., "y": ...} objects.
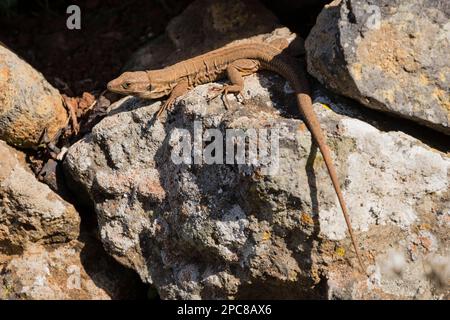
[
  {"x": 235, "y": 71},
  {"x": 180, "y": 89}
]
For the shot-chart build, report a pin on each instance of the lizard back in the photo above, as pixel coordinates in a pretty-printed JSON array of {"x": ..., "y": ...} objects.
[{"x": 211, "y": 66}]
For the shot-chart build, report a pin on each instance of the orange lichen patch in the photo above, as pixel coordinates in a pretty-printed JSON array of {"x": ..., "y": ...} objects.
[
  {"x": 443, "y": 97},
  {"x": 306, "y": 219},
  {"x": 405, "y": 58},
  {"x": 302, "y": 127},
  {"x": 266, "y": 235},
  {"x": 425, "y": 226},
  {"x": 151, "y": 188},
  {"x": 5, "y": 102},
  {"x": 340, "y": 251},
  {"x": 391, "y": 46},
  {"x": 356, "y": 71},
  {"x": 425, "y": 241},
  {"x": 4, "y": 74},
  {"x": 292, "y": 275},
  {"x": 424, "y": 79},
  {"x": 316, "y": 274},
  {"x": 388, "y": 95}
]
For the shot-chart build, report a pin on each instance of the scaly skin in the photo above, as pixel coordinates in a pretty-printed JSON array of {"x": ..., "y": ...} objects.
[{"x": 232, "y": 61}]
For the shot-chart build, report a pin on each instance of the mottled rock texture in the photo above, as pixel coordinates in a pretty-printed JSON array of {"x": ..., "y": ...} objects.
[
  {"x": 29, "y": 211},
  {"x": 231, "y": 231},
  {"x": 389, "y": 55},
  {"x": 225, "y": 231},
  {"x": 71, "y": 271},
  {"x": 29, "y": 105}
]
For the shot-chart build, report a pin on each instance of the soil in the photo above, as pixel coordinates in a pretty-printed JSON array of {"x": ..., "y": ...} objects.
[{"x": 77, "y": 61}]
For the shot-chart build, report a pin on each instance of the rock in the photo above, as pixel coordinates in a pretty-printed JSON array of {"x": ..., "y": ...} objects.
[
  {"x": 221, "y": 231},
  {"x": 29, "y": 105},
  {"x": 71, "y": 271},
  {"x": 388, "y": 55},
  {"x": 29, "y": 211},
  {"x": 203, "y": 26}
]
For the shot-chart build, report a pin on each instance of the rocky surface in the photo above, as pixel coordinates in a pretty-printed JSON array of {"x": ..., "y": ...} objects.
[
  {"x": 29, "y": 211},
  {"x": 72, "y": 271},
  {"x": 227, "y": 231},
  {"x": 29, "y": 105},
  {"x": 42, "y": 254},
  {"x": 389, "y": 55},
  {"x": 197, "y": 228}
]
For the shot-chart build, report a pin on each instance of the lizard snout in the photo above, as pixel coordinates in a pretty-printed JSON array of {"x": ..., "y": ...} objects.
[{"x": 110, "y": 85}]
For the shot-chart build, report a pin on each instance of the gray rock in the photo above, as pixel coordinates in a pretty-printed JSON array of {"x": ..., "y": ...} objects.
[
  {"x": 29, "y": 211},
  {"x": 70, "y": 271},
  {"x": 391, "y": 56},
  {"x": 29, "y": 105},
  {"x": 226, "y": 231}
]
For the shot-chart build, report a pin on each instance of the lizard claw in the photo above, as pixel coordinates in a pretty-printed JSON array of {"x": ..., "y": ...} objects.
[
  {"x": 217, "y": 88},
  {"x": 217, "y": 91},
  {"x": 165, "y": 106},
  {"x": 221, "y": 91}
]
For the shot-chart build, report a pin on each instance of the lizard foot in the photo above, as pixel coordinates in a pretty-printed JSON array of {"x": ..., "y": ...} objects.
[
  {"x": 224, "y": 91},
  {"x": 216, "y": 91},
  {"x": 165, "y": 106}
]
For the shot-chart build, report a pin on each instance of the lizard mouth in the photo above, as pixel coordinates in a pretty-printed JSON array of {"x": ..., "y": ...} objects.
[
  {"x": 145, "y": 95},
  {"x": 109, "y": 87},
  {"x": 112, "y": 87}
]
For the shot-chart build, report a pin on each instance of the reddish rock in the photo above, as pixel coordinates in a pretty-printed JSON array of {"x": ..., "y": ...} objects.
[{"x": 29, "y": 105}]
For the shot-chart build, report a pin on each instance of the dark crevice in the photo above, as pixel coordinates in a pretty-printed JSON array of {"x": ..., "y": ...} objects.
[
  {"x": 351, "y": 16},
  {"x": 298, "y": 16},
  {"x": 384, "y": 121}
]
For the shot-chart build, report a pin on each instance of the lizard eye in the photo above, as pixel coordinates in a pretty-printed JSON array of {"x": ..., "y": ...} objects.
[{"x": 126, "y": 85}]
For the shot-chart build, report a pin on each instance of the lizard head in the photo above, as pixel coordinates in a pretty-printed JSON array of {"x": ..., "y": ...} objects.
[
  {"x": 131, "y": 83},
  {"x": 139, "y": 84}
]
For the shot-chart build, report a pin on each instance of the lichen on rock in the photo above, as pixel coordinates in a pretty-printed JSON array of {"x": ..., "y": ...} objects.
[
  {"x": 222, "y": 231},
  {"x": 388, "y": 55}
]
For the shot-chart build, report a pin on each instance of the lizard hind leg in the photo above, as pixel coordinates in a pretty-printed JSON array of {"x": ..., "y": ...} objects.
[{"x": 235, "y": 72}]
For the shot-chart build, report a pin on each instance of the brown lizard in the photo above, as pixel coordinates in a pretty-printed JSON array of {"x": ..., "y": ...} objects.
[{"x": 233, "y": 61}]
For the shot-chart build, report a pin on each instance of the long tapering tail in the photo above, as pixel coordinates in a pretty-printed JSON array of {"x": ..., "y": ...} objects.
[{"x": 305, "y": 105}]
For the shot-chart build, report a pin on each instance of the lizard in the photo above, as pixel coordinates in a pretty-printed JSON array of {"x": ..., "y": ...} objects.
[{"x": 233, "y": 61}]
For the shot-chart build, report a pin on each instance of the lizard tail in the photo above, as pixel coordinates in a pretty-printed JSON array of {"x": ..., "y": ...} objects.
[
  {"x": 305, "y": 104},
  {"x": 301, "y": 86}
]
